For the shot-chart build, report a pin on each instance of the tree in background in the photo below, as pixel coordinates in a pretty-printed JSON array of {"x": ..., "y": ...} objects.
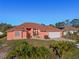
[
  {"x": 60, "y": 25},
  {"x": 67, "y": 22},
  {"x": 75, "y": 22},
  {"x": 3, "y": 28},
  {"x": 42, "y": 24},
  {"x": 51, "y": 25}
]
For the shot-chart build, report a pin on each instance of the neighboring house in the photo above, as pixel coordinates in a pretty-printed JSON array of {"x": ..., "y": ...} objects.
[
  {"x": 77, "y": 28},
  {"x": 1, "y": 33},
  {"x": 69, "y": 29},
  {"x": 33, "y": 30}
]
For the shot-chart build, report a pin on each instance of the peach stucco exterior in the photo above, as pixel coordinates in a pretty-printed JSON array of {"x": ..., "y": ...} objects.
[
  {"x": 34, "y": 30},
  {"x": 42, "y": 34},
  {"x": 11, "y": 35},
  {"x": 23, "y": 34}
]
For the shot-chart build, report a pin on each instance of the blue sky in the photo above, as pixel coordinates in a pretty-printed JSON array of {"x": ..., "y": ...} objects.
[{"x": 40, "y": 11}]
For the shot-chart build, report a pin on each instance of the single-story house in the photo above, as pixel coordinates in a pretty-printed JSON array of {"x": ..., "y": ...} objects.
[
  {"x": 69, "y": 29},
  {"x": 1, "y": 33},
  {"x": 33, "y": 30}
]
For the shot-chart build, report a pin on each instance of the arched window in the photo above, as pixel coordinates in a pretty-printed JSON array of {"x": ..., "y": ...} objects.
[{"x": 17, "y": 33}]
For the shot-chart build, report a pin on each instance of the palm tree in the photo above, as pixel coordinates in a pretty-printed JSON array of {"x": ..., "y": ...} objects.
[{"x": 60, "y": 48}]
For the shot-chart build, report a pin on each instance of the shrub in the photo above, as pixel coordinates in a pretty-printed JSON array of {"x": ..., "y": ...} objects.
[
  {"x": 25, "y": 51},
  {"x": 3, "y": 35},
  {"x": 61, "y": 47}
]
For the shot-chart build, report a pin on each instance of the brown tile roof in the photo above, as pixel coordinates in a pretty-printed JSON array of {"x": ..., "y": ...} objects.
[
  {"x": 77, "y": 28},
  {"x": 53, "y": 29},
  {"x": 69, "y": 28},
  {"x": 35, "y": 26}
]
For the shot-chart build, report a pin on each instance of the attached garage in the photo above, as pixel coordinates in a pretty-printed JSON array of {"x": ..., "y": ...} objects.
[{"x": 54, "y": 34}]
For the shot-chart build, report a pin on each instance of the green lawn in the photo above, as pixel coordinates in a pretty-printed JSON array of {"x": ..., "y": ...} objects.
[
  {"x": 74, "y": 54},
  {"x": 33, "y": 42}
]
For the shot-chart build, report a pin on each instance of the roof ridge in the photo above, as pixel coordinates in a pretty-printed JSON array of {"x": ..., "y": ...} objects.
[{"x": 37, "y": 26}]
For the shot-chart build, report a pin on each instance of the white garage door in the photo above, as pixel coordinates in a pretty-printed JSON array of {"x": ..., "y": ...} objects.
[{"x": 54, "y": 34}]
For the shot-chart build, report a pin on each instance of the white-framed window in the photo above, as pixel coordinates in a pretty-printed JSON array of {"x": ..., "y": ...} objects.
[{"x": 17, "y": 33}]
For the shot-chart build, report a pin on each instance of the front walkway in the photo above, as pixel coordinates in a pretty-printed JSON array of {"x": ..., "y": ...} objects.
[
  {"x": 63, "y": 39},
  {"x": 3, "y": 51},
  {"x": 56, "y": 39}
]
